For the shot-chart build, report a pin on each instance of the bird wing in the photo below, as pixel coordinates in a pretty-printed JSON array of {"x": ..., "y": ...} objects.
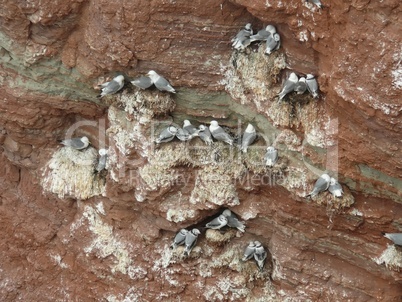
[
  {"x": 248, "y": 139},
  {"x": 75, "y": 143},
  {"x": 142, "y": 82},
  {"x": 220, "y": 135},
  {"x": 321, "y": 184},
  {"x": 112, "y": 87},
  {"x": 163, "y": 84}
]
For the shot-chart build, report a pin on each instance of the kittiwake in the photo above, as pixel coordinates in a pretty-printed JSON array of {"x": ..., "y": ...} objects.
[
  {"x": 396, "y": 238},
  {"x": 316, "y": 2},
  {"x": 242, "y": 39},
  {"x": 167, "y": 135},
  {"x": 312, "y": 85},
  {"x": 289, "y": 85},
  {"x": 335, "y": 188},
  {"x": 248, "y": 138},
  {"x": 249, "y": 251},
  {"x": 260, "y": 255},
  {"x": 77, "y": 143},
  {"x": 102, "y": 160},
  {"x": 271, "y": 157},
  {"x": 179, "y": 239},
  {"x": 183, "y": 135},
  {"x": 205, "y": 134},
  {"x": 160, "y": 82},
  {"x": 113, "y": 86},
  {"x": 232, "y": 220},
  {"x": 219, "y": 134},
  {"x": 142, "y": 82},
  {"x": 190, "y": 241},
  {"x": 218, "y": 223},
  {"x": 320, "y": 185},
  {"x": 263, "y": 34},
  {"x": 191, "y": 129},
  {"x": 301, "y": 86},
  {"x": 273, "y": 43}
]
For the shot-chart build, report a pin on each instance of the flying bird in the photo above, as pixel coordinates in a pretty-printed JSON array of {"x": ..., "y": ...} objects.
[
  {"x": 273, "y": 43},
  {"x": 320, "y": 185},
  {"x": 102, "y": 160},
  {"x": 335, "y": 188},
  {"x": 312, "y": 85},
  {"x": 271, "y": 157},
  {"x": 190, "y": 241},
  {"x": 142, "y": 82},
  {"x": 249, "y": 251},
  {"x": 205, "y": 135},
  {"x": 232, "y": 220},
  {"x": 301, "y": 86},
  {"x": 219, "y": 134},
  {"x": 167, "y": 135},
  {"x": 160, "y": 82},
  {"x": 179, "y": 239},
  {"x": 218, "y": 223},
  {"x": 396, "y": 238},
  {"x": 248, "y": 138},
  {"x": 112, "y": 87},
  {"x": 289, "y": 85},
  {"x": 260, "y": 255},
  {"x": 263, "y": 34},
  {"x": 77, "y": 143}
]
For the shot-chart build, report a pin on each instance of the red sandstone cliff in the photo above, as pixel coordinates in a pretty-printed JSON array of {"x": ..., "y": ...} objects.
[{"x": 64, "y": 238}]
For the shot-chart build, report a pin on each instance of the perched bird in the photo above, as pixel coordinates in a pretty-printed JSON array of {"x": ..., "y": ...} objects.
[
  {"x": 249, "y": 251},
  {"x": 316, "y": 2},
  {"x": 77, "y": 143},
  {"x": 396, "y": 238},
  {"x": 301, "y": 86},
  {"x": 167, "y": 135},
  {"x": 320, "y": 185},
  {"x": 142, "y": 82},
  {"x": 191, "y": 129},
  {"x": 218, "y": 223},
  {"x": 271, "y": 157},
  {"x": 179, "y": 239},
  {"x": 205, "y": 134},
  {"x": 160, "y": 82},
  {"x": 260, "y": 255},
  {"x": 232, "y": 220},
  {"x": 312, "y": 85},
  {"x": 113, "y": 86},
  {"x": 273, "y": 43},
  {"x": 102, "y": 160},
  {"x": 190, "y": 241},
  {"x": 183, "y": 135},
  {"x": 248, "y": 138},
  {"x": 289, "y": 85},
  {"x": 263, "y": 34},
  {"x": 242, "y": 39},
  {"x": 335, "y": 188},
  {"x": 219, "y": 134}
]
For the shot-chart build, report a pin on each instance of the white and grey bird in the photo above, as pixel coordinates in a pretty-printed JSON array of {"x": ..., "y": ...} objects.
[
  {"x": 312, "y": 85},
  {"x": 142, "y": 82},
  {"x": 160, "y": 82},
  {"x": 301, "y": 86},
  {"x": 217, "y": 223},
  {"x": 183, "y": 134},
  {"x": 249, "y": 251},
  {"x": 396, "y": 238},
  {"x": 320, "y": 185},
  {"x": 219, "y": 134},
  {"x": 102, "y": 160},
  {"x": 205, "y": 135},
  {"x": 263, "y": 34},
  {"x": 191, "y": 129},
  {"x": 112, "y": 87},
  {"x": 190, "y": 241},
  {"x": 179, "y": 239},
  {"x": 242, "y": 39},
  {"x": 167, "y": 135},
  {"x": 273, "y": 43},
  {"x": 271, "y": 157},
  {"x": 77, "y": 143},
  {"x": 260, "y": 255},
  {"x": 316, "y": 2},
  {"x": 232, "y": 220},
  {"x": 335, "y": 188},
  {"x": 289, "y": 85},
  {"x": 248, "y": 138}
]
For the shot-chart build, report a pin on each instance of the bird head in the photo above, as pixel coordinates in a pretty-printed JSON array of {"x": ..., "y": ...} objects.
[
  {"x": 270, "y": 149},
  {"x": 293, "y": 77},
  {"x": 250, "y": 128},
  {"x": 309, "y": 76},
  {"x": 332, "y": 181},
  {"x": 271, "y": 29},
  {"x": 102, "y": 152},
  {"x": 186, "y": 123},
  {"x": 119, "y": 79},
  {"x": 172, "y": 129},
  {"x": 85, "y": 140},
  {"x": 196, "y": 232}
]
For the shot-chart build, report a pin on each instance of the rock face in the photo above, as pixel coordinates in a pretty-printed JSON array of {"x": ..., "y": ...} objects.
[{"x": 73, "y": 235}]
